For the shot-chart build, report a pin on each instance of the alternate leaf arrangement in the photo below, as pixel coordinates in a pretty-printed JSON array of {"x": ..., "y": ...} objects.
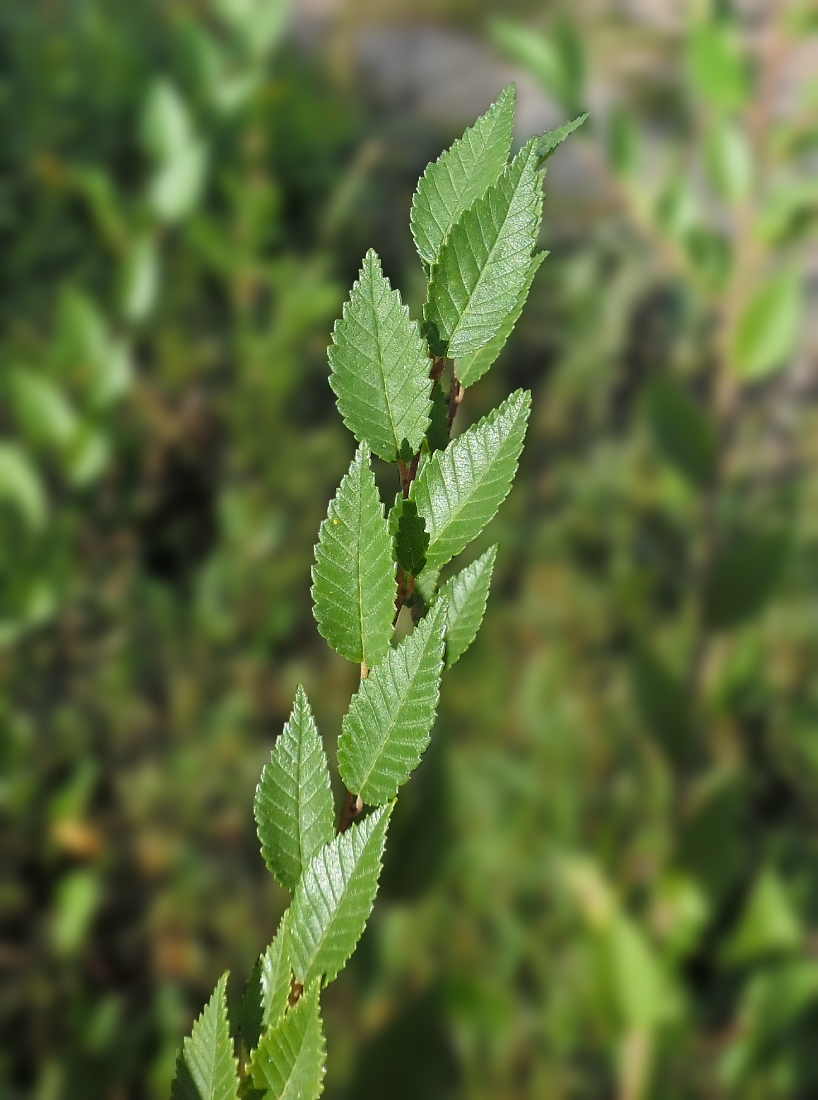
[{"x": 475, "y": 220}]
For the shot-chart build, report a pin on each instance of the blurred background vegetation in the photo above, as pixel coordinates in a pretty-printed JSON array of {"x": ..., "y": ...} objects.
[{"x": 603, "y": 881}]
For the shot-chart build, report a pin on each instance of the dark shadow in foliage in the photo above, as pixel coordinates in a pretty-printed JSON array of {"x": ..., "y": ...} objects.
[
  {"x": 411, "y": 1058},
  {"x": 682, "y": 430},
  {"x": 666, "y": 707},
  {"x": 420, "y": 830},
  {"x": 743, "y": 578}
]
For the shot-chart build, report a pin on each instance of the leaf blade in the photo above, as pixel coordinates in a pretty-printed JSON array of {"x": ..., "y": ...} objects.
[
  {"x": 484, "y": 261},
  {"x": 380, "y": 366},
  {"x": 353, "y": 575},
  {"x": 471, "y": 368},
  {"x": 334, "y": 899},
  {"x": 461, "y": 175},
  {"x": 388, "y": 725},
  {"x": 207, "y": 1068},
  {"x": 289, "y": 1062},
  {"x": 293, "y": 802},
  {"x": 460, "y": 489},
  {"x": 466, "y": 595}
]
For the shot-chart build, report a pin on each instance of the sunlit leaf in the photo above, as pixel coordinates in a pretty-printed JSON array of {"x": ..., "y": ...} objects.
[
  {"x": 334, "y": 899},
  {"x": 207, "y": 1068},
  {"x": 390, "y": 719},
  {"x": 353, "y": 578},
  {"x": 466, "y": 595},
  {"x": 462, "y": 174},
  {"x": 293, "y": 804}
]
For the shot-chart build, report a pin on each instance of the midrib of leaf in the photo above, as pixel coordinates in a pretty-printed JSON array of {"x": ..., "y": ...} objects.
[{"x": 382, "y": 348}]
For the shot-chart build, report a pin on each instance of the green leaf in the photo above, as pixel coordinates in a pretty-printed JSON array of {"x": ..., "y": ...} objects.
[
  {"x": 460, "y": 489},
  {"x": 207, "y": 1068},
  {"x": 380, "y": 366},
  {"x": 769, "y": 924},
  {"x": 276, "y": 975},
  {"x": 353, "y": 578},
  {"x": 768, "y": 330},
  {"x": 409, "y": 536},
  {"x": 484, "y": 261},
  {"x": 20, "y": 485},
  {"x": 437, "y": 435},
  {"x": 461, "y": 175},
  {"x": 177, "y": 185},
  {"x": 334, "y": 899},
  {"x": 289, "y": 1061},
  {"x": 682, "y": 430},
  {"x": 624, "y": 142},
  {"x": 388, "y": 725},
  {"x": 729, "y": 160},
  {"x": 471, "y": 368},
  {"x": 293, "y": 803},
  {"x": 166, "y": 123},
  {"x": 718, "y": 69},
  {"x": 42, "y": 408},
  {"x": 466, "y": 594},
  {"x": 555, "y": 60},
  {"x": 551, "y": 139},
  {"x": 743, "y": 578}
]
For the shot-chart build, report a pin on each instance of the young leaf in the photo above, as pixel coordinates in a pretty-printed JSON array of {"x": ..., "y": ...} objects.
[
  {"x": 390, "y": 719},
  {"x": 460, "y": 489},
  {"x": 461, "y": 175},
  {"x": 466, "y": 595},
  {"x": 293, "y": 804},
  {"x": 289, "y": 1061},
  {"x": 470, "y": 368},
  {"x": 334, "y": 899},
  {"x": 354, "y": 575},
  {"x": 409, "y": 535},
  {"x": 380, "y": 366},
  {"x": 551, "y": 139},
  {"x": 207, "y": 1068},
  {"x": 484, "y": 261}
]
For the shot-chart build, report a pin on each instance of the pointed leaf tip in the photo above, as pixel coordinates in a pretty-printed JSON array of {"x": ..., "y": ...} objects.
[
  {"x": 207, "y": 1067},
  {"x": 380, "y": 366},
  {"x": 293, "y": 804}
]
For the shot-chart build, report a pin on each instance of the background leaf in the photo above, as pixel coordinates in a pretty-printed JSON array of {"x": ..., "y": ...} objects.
[
  {"x": 460, "y": 489},
  {"x": 207, "y": 1068},
  {"x": 768, "y": 330},
  {"x": 293, "y": 803},
  {"x": 389, "y": 721},
  {"x": 353, "y": 578},
  {"x": 484, "y": 261},
  {"x": 462, "y": 174},
  {"x": 334, "y": 899},
  {"x": 682, "y": 430},
  {"x": 380, "y": 366},
  {"x": 743, "y": 578}
]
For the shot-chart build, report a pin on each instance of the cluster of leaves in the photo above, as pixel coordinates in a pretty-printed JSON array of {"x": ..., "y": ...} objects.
[{"x": 475, "y": 219}]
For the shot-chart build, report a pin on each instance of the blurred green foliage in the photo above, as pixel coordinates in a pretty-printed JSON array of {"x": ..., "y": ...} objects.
[{"x": 602, "y": 880}]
